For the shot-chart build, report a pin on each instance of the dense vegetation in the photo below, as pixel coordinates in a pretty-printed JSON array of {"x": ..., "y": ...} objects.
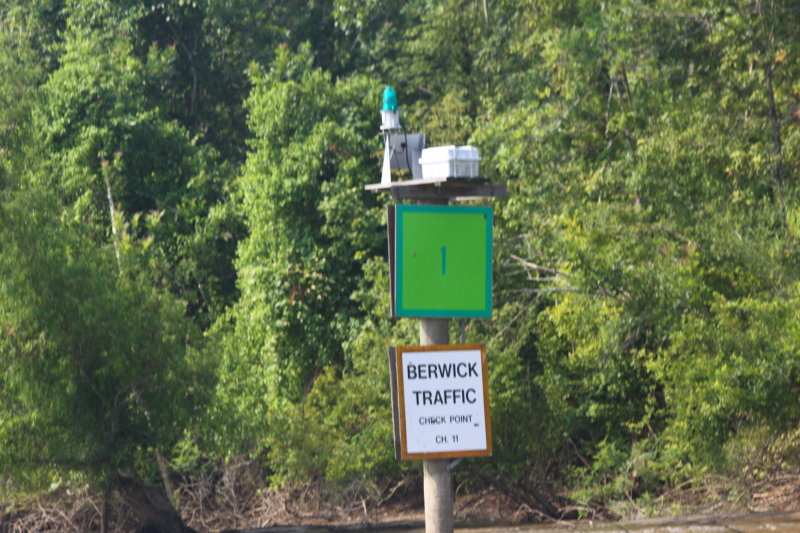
[{"x": 191, "y": 270}]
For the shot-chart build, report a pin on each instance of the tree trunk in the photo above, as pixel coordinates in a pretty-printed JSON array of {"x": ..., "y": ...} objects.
[
  {"x": 165, "y": 477},
  {"x": 152, "y": 507},
  {"x": 104, "y": 509}
]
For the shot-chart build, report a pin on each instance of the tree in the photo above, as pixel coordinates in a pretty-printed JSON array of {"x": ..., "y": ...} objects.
[
  {"x": 107, "y": 143},
  {"x": 23, "y": 64},
  {"x": 643, "y": 167},
  {"x": 98, "y": 372},
  {"x": 311, "y": 228}
]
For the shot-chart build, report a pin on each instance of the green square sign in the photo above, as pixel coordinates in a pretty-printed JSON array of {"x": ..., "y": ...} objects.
[{"x": 443, "y": 261}]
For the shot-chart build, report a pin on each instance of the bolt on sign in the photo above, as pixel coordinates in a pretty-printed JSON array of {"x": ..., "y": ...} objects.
[
  {"x": 441, "y": 401},
  {"x": 441, "y": 261}
]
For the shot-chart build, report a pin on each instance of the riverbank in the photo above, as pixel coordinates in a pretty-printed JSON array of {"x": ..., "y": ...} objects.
[{"x": 230, "y": 500}]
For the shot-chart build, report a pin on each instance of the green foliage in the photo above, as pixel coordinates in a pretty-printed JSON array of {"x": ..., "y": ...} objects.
[
  {"x": 97, "y": 366},
  {"x": 645, "y": 230},
  {"x": 646, "y": 258},
  {"x": 347, "y": 410},
  {"x": 108, "y": 142},
  {"x": 311, "y": 228},
  {"x": 22, "y": 65}
]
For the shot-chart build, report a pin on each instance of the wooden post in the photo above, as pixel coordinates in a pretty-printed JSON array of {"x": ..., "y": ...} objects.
[
  {"x": 436, "y": 478},
  {"x": 437, "y": 481}
]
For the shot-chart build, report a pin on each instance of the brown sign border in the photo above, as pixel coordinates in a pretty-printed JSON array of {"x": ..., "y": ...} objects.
[{"x": 401, "y": 419}]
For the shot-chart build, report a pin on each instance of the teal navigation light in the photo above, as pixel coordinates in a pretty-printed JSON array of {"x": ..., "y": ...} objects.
[
  {"x": 390, "y": 113},
  {"x": 389, "y": 99}
]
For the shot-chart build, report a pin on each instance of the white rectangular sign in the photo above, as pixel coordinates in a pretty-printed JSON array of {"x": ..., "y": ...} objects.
[{"x": 443, "y": 401}]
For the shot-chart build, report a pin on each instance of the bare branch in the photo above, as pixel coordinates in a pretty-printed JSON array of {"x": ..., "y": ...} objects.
[
  {"x": 533, "y": 266},
  {"x": 112, "y": 213}
]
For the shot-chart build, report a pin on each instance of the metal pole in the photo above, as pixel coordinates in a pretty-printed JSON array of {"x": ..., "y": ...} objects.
[{"x": 437, "y": 480}]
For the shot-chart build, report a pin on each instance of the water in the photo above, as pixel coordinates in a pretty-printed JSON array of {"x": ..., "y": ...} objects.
[
  {"x": 783, "y": 522},
  {"x": 773, "y": 522}
]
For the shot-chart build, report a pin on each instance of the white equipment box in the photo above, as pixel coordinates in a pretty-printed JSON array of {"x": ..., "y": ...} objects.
[{"x": 450, "y": 162}]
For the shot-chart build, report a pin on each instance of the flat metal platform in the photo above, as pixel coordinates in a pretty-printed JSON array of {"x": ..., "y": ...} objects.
[{"x": 441, "y": 189}]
